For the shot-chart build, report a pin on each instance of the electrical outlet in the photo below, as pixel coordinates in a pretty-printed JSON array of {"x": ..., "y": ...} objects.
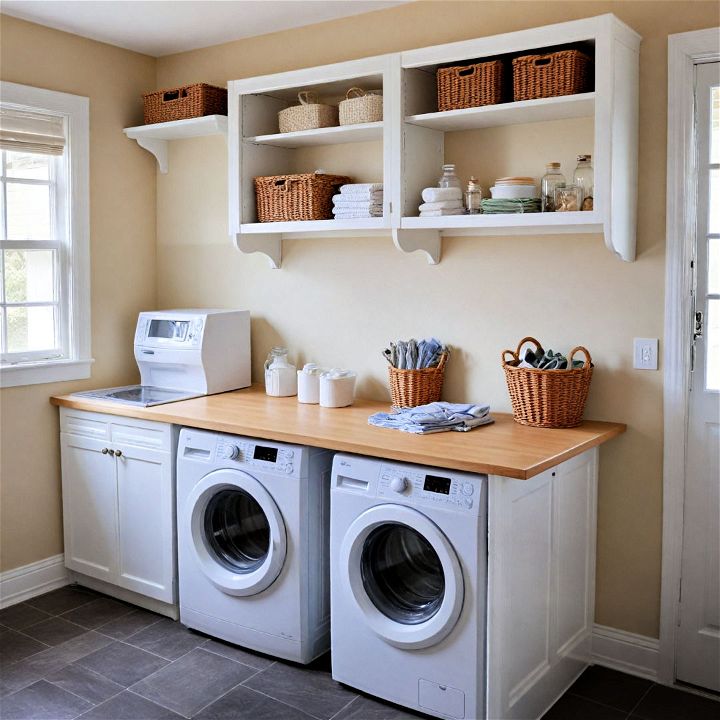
[{"x": 645, "y": 353}]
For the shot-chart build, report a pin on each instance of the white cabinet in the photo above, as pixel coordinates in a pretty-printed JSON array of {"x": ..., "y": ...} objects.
[{"x": 118, "y": 501}]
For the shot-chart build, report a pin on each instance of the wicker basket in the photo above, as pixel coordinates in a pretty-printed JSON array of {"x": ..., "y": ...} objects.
[
  {"x": 467, "y": 86},
  {"x": 308, "y": 115},
  {"x": 410, "y": 388},
  {"x": 296, "y": 197},
  {"x": 181, "y": 103},
  {"x": 560, "y": 73},
  {"x": 547, "y": 398},
  {"x": 360, "y": 107}
]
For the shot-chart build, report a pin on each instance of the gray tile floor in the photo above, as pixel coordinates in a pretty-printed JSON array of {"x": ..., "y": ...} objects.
[{"x": 74, "y": 653}]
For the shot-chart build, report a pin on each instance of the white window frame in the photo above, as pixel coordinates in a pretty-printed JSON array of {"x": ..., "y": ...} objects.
[{"x": 74, "y": 269}]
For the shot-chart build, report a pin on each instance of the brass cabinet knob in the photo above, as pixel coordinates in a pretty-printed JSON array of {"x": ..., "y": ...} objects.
[{"x": 118, "y": 453}]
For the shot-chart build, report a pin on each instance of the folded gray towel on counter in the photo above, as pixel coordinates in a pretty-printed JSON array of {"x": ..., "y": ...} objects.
[{"x": 434, "y": 417}]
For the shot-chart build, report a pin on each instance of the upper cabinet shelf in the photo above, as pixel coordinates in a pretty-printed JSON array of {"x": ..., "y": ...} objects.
[
  {"x": 407, "y": 149},
  {"x": 154, "y": 138}
]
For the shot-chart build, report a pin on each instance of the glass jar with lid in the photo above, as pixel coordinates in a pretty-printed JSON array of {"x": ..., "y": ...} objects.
[
  {"x": 449, "y": 179},
  {"x": 473, "y": 197},
  {"x": 584, "y": 178},
  {"x": 552, "y": 180}
]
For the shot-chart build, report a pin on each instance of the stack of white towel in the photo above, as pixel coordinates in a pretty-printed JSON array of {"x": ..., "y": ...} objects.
[
  {"x": 359, "y": 200},
  {"x": 441, "y": 201}
]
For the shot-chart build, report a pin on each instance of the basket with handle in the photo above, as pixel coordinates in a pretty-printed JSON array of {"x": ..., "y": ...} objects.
[
  {"x": 308, "y": 115},
  {"x": 466, "y": 86},
  {"x": 547, "y": 398},
  {"x": 566, "y": 72},
  {"x": 410, "y": 388},
  {"x": 360, "y": 106},
  {"x": 184, "y": 102}
]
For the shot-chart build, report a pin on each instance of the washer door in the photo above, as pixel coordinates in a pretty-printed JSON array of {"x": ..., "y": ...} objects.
[
  {"x": 237, "y": 532},
  {"x": 403, "y": 574}
]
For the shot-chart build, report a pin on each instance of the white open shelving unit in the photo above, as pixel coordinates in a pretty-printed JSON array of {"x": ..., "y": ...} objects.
[{"x": 409, "y": 145}]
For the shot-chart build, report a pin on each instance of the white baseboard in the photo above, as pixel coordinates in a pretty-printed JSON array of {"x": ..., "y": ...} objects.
[
  {"x": 626, "y": 651},
  {"x": 32, "y": 580}
]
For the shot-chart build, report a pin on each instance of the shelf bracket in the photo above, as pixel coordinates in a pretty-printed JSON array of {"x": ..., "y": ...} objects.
[
  {"x": 427, "y": 241},
  {"x": 269, "y": 245},
  {"x": 157, "y": 147}
]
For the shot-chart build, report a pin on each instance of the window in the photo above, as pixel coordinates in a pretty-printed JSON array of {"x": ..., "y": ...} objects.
[{"x": 44, "y": 236}]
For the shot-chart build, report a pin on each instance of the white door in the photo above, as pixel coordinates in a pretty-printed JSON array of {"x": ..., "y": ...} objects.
[
  {"x": 89, "y": 503},
  {"x": 145, "y": 507},
  {"x": 698, "y": 651},
  {"x": 404, "y": 575}
]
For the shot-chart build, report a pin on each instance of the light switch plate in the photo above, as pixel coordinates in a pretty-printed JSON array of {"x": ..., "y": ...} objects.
[{"x": 645, "y": 353}]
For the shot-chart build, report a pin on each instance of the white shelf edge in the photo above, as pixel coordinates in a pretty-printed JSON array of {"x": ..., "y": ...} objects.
[
  {"x": 154, "y": 137},
  {"x": 361, "y": 227},
  {"x": 513, "y": 113},
  {"x": 336, "y": 135}
]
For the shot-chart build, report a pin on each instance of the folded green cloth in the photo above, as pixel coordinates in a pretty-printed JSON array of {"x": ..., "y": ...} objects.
[{"x": 498, "y": 206}]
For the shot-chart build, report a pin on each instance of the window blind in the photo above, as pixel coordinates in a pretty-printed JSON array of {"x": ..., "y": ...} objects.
[{"x": 24, "y": 131}]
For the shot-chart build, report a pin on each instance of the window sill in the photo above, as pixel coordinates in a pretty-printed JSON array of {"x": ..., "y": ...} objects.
[{"x": 35, "y": 373}]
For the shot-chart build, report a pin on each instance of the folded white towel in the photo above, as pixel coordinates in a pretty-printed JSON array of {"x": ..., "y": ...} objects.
[
  {"x": 362, "y": 205},
  {"x": 352, "y": 214},
  {"x": 359, "y": 197},
  {"x": 441, "y": 213},
  {"x": 438, "y": 194},
  {"x": 441, "y": 205},
  {"x": 360, "y": 188}
]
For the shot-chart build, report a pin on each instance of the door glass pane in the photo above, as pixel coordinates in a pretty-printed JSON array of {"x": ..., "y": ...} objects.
[
  {"x": 30, "y": 275},
  {"x": 237, "y": 530},
  {"x": 402, "y": 574},
  {"x": 714, "y": 213},
  {"x": 28, "y": 212},
  {"x": 715, "y": 125},
  {"x": 27, "y": 165},
  {"x": 31, "y": 328},
  {"x": 714, "y": 266},
  {"x": 712, "y": 345}
]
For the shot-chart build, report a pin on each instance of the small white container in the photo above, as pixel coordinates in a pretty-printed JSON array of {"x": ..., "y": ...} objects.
[
  {"x": 281, "y": 378},
  {"x": 513, "y": 192},
  {"x": 337, "y": 388},
  {"x": 308, "y": 380}
]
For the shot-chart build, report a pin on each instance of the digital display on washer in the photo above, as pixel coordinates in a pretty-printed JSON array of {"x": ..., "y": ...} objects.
[
  {"x": 267, "y": 454},
  {"x": 168, "y": 329},
  {"x": 436, "y": 484}
]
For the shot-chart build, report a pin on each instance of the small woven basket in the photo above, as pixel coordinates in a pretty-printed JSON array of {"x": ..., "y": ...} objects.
[
  {"x": 410, "y": 388},
  {"x": 560, "y": 73},
  {"x": 547, "y": 398},
  {"x": 308, "y": 115},
  {"x": 181, "y": 103},
  {"x": 296, "y": 197},
  {"x": 467, "y": 86},
  {"x": 360, "y": 107}
]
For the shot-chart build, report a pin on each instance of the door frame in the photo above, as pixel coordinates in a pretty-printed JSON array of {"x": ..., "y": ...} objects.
[{"x": 685, "y": 51}]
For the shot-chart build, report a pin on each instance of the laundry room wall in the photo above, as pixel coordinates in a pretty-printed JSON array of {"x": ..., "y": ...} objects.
[
  {"x": 122, "y": 254},
  {"x": 339, "y": 301}
]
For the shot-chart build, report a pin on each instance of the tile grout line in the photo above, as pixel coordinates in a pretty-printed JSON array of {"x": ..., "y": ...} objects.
[
  {"x": 252, "y": 667},
  {"x": 234, "y": 687},
  {"x": 594, "y": 702},
  {"x": 282, "y": 702},
  {"x": 127, "y": 637},
  {"x": 637, "y": 704},
  {"x": 345, "y": 707}
]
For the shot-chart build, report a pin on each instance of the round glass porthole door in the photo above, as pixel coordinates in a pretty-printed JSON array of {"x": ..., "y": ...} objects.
[
  {"x": 403, "y": 574},
  {"x": 237, "y": 531}
]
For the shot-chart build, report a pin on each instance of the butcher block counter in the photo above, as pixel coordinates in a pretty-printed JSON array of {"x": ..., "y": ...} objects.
[{"x": 504, "y": 448}]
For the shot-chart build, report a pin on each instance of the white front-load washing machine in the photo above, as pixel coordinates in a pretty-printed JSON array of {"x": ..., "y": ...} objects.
[
  {"x": 252, "y": 526},
  {"x": 408, "y": 584}
]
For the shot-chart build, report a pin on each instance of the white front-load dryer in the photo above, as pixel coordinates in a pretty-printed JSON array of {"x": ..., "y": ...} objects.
[
  {"x": 408, "y": 584},
  {"x": 253, "y": 556}
]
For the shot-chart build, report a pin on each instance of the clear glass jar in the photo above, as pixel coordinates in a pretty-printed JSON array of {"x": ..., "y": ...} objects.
[
  {"x": 584, "y": 178},
  {"x": 473, "y": 197},
  {"x": 568, "y": 198},
  {"x": 449, "y": 179},
  {"x": 276, "y": 352},
  {"x": 552, "y": 180}
]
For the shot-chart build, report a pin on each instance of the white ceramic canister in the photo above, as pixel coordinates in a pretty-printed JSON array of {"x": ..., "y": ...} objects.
[
  {"x": 337, "y": 388},
  {"x": 281, "y": 378},
  {"x": 308, "y": 380}
]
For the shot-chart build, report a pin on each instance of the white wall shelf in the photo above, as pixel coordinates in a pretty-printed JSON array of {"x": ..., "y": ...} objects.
[
  {"x": 154, "y": 137},
  {"x": 413, "y": 140}
]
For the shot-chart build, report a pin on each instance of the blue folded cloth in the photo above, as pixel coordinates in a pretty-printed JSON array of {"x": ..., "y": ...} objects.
[{"x": 435, "y": 417}]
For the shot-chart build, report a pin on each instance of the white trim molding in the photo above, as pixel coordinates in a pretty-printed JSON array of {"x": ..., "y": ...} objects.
[
  {"x": 626, "y": 651},
  {"x": 685, "y": 50},
  {"x": 32, "y": 580}
]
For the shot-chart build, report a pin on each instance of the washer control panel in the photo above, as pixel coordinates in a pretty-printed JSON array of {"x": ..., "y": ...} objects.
[{"x": 270, "y": 457}]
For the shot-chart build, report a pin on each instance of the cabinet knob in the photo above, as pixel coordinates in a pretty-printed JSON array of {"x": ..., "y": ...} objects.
[
  {"x": 105, "y": 451},
  {"x": 111, "y": 451},
  {"x": 118, "y": 453}
]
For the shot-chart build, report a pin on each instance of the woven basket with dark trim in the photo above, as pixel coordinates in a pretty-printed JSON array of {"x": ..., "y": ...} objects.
[
  {"x": 187, "y": 101},
  {"x": 466, "y": 86},
  {"x": 410, "y": 388},
  {"x": 560, "y": 73},
  {"x": 547, "y": 398}
]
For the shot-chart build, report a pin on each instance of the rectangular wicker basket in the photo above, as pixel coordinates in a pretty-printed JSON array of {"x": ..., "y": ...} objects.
[
  {"x": 547, "y": 398},
  {"x": 566, "y": 72},
  {"x": 411, "y": 388},
  {"x": 466, "y": 86},
  {"x": 308, "y": 196},
  {"x": 308, "y": 115},
  {"x": 360, "y": 107},
  {"x": 182, "y": 103}
]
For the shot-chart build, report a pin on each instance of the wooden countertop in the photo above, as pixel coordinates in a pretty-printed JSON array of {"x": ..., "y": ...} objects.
[{"x": 503, "y": 448}]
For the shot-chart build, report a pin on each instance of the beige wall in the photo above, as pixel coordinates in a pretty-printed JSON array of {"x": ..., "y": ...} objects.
[
  {"x": 122, "y": 231},
  {"x": 338, "y": 301}
]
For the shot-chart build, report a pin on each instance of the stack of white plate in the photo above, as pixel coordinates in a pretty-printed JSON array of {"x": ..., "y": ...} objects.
[{"x": 513, "y": 188}]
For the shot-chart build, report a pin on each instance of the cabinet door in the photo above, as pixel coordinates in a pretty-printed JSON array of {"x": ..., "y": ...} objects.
[
  {"x": 146, "y": 522},
  {"x": 89, "y": 506}
]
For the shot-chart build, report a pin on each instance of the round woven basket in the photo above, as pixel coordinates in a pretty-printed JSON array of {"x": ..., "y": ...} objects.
[
  {"x": 547, "y": 398},
  {"x": 410, "y": 388}
]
